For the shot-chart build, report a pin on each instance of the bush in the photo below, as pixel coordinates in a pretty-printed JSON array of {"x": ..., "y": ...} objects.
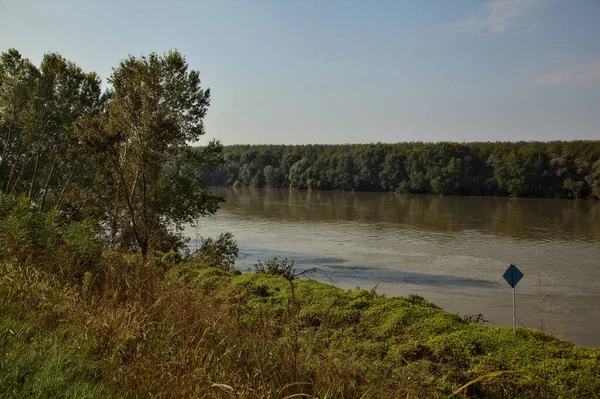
[
  {"x": 219, "y": 253},
  {"x": 478, "y": 318},
  {"x": 170, "y": 258},
  {"x": 274, "y": 267},
  {"x": 27, "y": 234},
  {"x": 47, "y": 239},
  {"x": 83, "y": 247}
]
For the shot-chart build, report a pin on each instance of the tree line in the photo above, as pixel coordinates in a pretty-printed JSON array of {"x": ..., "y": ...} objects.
[
  {"x": 118, "y": 156},
  {"x": 558, "y": 169}
]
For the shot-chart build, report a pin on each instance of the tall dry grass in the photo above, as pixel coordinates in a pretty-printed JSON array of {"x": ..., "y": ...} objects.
[{"x": 193, "y": 339}]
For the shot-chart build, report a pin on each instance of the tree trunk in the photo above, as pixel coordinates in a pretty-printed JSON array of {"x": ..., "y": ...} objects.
[
  {"x": 47, "y": 185},
  {"x": 62, "y": 192},
  {"x": 114, "y": 227},
  {"x": 35, "y": 168},
  {"x": 18, "y": 178},
  {"x": 10, "y": 176},
  {"x": 6, "y": 147}
]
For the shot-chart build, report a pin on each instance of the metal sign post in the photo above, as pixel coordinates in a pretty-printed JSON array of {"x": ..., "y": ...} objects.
[{"x": 512, "y": 275}]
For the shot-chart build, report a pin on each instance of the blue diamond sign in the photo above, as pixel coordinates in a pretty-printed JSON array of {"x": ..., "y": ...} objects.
[{"x": 512, "y": 275}]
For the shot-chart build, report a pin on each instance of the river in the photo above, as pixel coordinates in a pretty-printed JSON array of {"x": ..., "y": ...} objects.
[{"x": 450, "y": 250}]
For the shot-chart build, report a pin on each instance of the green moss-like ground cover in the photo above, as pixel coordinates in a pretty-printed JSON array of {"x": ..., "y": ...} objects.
[{"x": 416, "y": 342}]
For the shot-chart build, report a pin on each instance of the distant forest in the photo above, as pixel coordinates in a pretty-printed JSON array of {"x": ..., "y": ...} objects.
[{"x": 558, "y": 169}]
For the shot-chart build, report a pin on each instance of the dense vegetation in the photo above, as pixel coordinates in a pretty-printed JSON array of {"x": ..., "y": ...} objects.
[
  {"x": 100, "y": 298},
  {"x": 525, "y": 169},
  {"x": 117, "y": 157}
]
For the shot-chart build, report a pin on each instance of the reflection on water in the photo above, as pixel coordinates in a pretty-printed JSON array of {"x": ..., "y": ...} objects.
[
  {"x": 451, "y": 250},
  {"x": 518, "y": 218}
]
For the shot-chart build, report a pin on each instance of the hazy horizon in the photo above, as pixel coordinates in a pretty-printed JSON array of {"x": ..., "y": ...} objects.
[
  {"x": 358, "y": 143},
  {"x": 350, "y": 72}
]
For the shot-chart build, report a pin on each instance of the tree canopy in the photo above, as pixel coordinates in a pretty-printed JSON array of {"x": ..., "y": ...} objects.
[
  {"x": 524, "y": 169},
  {"x": 121, "y": 157}
]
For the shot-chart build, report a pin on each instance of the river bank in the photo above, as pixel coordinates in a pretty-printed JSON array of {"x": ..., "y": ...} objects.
[
  {"x": 450, "y": 250},
  {"x": 205, "y": 332}
]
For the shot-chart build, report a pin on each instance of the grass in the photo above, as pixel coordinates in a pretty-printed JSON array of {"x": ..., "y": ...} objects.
[
  {"x": 42, "y": 364},
  {"x": 209, "y": 333}
]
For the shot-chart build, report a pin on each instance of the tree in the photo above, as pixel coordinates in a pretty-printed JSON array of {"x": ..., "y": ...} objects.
[
  {"x": 393, "y": 174},
  {"x": 151, "y": 179},
  {"x": 297, "y": 175},
  {"x": 368, "y": 166},
  {"x": 416, "y": 171},
  {"x": 523, "y": 173},
  {"x": 273, "y": 178},
  {"x": 40, "y": 149},
  {"x": 63, "y": 96},
  {"x": 593, "y": 179},
  {"x": 554, "y": 169},
  {"x": 17, "y": 83},
  {"x": 344, "y": 173}
]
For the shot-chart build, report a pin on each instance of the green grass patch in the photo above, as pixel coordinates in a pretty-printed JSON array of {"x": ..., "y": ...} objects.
[{"x": 40, "y": 364}]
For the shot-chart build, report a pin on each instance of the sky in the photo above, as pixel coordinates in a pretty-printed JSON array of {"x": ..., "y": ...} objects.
[{"x": 333, "y": 71}]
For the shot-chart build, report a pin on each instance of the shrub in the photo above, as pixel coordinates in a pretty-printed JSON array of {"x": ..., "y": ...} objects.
[
  {"x": 478, "y": 318},
  {"x": 27, "y": 234},
  {"x": 274, "y": 267},
  {"x": 47, "y": 239},
  {"x": 83, "y": 247},
  {"x": 219, "y": 253}
]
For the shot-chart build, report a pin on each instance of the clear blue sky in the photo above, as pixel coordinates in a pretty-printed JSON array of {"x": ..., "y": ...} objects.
[{"x": 324, "y": 71}]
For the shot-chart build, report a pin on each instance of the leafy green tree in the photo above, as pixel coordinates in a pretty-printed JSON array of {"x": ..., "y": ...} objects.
[
  {"x": 17, "y": 84},
  {"x": 273, "y": 177},
  {"x": 448, "y": 168},
  {"x": 593, "y": 180},
  {"x": 554, "y": 169},
  {"x": 297, "y": 176},
  {"x": 316, "y": 175},
  {"x": 219, "y": 253},
  {"x": 149, "y": 178},
  {"x": 344, "y": 173},
  {"x": 417, "y": 173},
  {"x": 392, "y": 172},
  {"x": 64, "y": 96},
  {"x": 368, "y": 165},
  {"x": 42, "y": 154},
  {"x": 523, "y": 173},
  {"x": 244, "y": 176},
  {"x": 258, "y": 180}
]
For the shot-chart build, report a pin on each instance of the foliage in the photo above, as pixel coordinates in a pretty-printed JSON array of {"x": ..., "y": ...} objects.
[
  {"x": 41, "y": 152},
  {"x": 147, "y": 171},
  {"x": 525, "y": 169},
  {"x": 30, "y": 235},
  {"x": 274, "y": 267},
  {"x": 119, "y": 157},
  {"x": 219, "y": 253},
  {"x": 25, "y": 233},
  {"x": 478, "y": 318}
]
